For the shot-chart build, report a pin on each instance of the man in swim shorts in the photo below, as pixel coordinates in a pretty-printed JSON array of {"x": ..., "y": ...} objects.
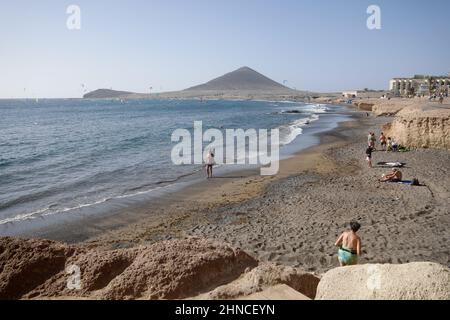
[
  {"x": 383, "y": 141},
  {"x": 349, "y": 244}
]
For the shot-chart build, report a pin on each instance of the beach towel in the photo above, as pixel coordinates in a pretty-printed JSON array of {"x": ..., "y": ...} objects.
[
  {"x": 392, "y": 164},
  {"x": 413, "y": 182},
  {"x": 402, "y": 182}
]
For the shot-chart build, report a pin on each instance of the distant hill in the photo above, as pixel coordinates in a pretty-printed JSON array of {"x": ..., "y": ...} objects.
[
  {"x": 243, "y": 79},
  {"x": 243, "y": 83},
  {"x": 106, "y": 94}
]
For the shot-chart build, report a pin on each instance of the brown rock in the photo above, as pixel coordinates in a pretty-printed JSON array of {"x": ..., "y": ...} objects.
[
  {"x": 26, "y": 264},
  {"x": 412, "y": 281},
  {"x": 421, "y": 128},
  {"x": 165, "y": 270},
  {"x": 365, "y": 106},
  {"x": 262, "y": 277},
  {"x": 178, "y": 269}
]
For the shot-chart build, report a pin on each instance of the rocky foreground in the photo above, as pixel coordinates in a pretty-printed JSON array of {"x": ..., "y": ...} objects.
[{"x": 194, "y": 267}]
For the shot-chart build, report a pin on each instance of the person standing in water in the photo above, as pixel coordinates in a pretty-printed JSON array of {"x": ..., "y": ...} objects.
[
  {"x": 349, "y": 244},
  {"x": 210, "y": 163}
]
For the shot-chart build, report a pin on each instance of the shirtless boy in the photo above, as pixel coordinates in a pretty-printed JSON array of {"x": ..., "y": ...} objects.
[{"x": 349, "y": 245}]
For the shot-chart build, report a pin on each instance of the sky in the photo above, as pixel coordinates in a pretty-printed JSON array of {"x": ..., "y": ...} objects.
[{"x": 317, "y": 45}]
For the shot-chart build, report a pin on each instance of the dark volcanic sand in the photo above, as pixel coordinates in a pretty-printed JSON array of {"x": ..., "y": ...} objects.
[
  {"x": 295, "y": 218},
  {"x": 298, "y": 219}
]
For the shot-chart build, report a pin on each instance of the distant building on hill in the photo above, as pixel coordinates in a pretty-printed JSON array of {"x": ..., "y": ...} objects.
[
  {"x": 420, "y": 85},
  {"x": 350, "y": 94}
]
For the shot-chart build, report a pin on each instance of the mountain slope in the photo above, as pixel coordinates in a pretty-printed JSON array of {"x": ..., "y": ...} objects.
[{"x": 244, "y": 79}]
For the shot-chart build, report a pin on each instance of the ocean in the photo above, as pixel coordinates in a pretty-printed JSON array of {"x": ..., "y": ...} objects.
[{"x": 59, "y": 157}]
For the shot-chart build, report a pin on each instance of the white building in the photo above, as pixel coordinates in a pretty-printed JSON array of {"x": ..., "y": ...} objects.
[
  {"x": 420, "y": 85},
  {"x": 350, "y": 94}
]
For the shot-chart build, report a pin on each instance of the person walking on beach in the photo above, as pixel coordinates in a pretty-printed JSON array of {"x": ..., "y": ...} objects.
[
  {"x": 373, "y": 140},
  {"x": 210, "y": 163},
  {"x": 369, "y": 156},
  {"x": 369, "y": 139},
  {"x": 349, "y": 244},
  {"x": 383, "y": 141}
]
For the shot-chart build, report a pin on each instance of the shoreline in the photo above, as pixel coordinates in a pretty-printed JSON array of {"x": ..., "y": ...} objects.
[
  {"x": 79, "y": 225},
  {"x": 168, "y": 216},
  {"x": 294, "y": 218},
  {"x": 188, "y": 205}
]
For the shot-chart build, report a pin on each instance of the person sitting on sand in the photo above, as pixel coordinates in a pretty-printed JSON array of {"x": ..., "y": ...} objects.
[
  {"x": 369, "y": 156},
  {"x": 210, "y": 163},
  {"x": 349, "y": 244},
  {"x": 394, "y": 176}
]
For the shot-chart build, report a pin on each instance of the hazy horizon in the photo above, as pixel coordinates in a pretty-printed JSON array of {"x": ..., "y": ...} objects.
[{"x": 320, "y": 46}]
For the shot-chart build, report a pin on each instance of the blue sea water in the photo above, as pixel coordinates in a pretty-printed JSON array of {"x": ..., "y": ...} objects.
[{"x": 62, "y": 155}]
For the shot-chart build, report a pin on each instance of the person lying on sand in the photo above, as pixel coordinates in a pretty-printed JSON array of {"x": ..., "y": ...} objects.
[
  {"x": 394, "y": 176},
  {"x": 349, "y": 244}
]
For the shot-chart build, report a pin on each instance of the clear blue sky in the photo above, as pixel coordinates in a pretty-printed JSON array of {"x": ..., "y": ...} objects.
[{"x": 170, "y": 45}]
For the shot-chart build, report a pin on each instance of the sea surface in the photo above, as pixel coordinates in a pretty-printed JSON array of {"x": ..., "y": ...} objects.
[{"x": 62, "y": 156}]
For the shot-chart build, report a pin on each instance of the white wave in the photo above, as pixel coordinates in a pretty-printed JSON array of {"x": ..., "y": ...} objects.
[
  {"x": 42, "y": 212},
  {"x": 293, "y": 130},
  {"x": 23, "y": 216},
  {"x": 304, "y": 108},
  {"x": 316, "y": 108}
]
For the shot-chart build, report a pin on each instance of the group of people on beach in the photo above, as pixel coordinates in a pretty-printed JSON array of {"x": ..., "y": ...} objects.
[
  {"x": 349, "y": 242},
  {"x": 387, "y": 144},
  {"x": 433, "y": 97}
]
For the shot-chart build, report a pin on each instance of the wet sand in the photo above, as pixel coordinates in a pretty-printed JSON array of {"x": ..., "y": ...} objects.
[{"x": 295, "y": 217}]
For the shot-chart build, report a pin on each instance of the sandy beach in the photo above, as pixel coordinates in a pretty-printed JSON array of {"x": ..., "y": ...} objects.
[
  {"x": 236, "y": 154},
  {"x": 240, "y": 233},
  {"x": 295, "y": 217}
]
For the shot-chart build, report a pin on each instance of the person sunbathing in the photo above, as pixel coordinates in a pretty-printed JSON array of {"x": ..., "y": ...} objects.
[{"x": 394, "y": 176}]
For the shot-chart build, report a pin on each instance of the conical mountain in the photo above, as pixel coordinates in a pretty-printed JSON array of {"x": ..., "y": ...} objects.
[{"x": 244, "y": 79}]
